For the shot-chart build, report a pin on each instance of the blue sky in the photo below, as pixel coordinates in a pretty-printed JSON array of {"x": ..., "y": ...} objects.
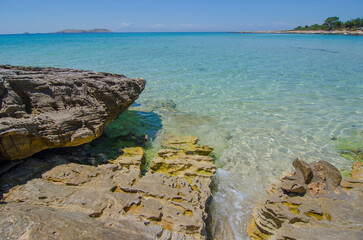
[{"x": 18, "y": 16}]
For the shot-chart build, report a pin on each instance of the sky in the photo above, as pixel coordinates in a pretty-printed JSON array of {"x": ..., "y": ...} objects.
[{"x": 42, "y": 16}]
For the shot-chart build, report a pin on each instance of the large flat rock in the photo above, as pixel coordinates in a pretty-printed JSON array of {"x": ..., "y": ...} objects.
[
  {"x": 109, "y": 201},
  {"x": 45, "y": 108}
]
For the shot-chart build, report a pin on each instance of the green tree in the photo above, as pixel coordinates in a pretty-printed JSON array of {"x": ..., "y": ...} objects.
[
  {"x": 315, "y": 27},
  {"x": 299, "y": 28},
  {"x": 324, "y": 27},
  {"x": 358, "y": 23},
  {"x": 349, "y": 24},
  {"x": 332, "y": 23}
]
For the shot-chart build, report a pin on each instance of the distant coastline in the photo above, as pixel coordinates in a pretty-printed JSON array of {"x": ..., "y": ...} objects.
[
  {"x": 331, "y": 26},
  {"x": 96, "y": 30},
  {"x": 336, "y": 32}
]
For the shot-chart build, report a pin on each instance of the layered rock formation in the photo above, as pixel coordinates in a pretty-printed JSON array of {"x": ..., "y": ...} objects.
[
  {"x": 113, "y": 200},
  {"x": 45, "y": 108},
  {"x": 312, "y": 203}
]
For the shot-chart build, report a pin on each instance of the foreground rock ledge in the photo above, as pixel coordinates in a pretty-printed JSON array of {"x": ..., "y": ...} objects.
[
  {"x": 313, "y": 203},
  {"x": 45, "y": 108},
  {"x": 113, "y": 200}
]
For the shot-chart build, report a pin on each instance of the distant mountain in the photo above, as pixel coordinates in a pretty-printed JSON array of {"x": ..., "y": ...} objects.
[{"x": 96, "y": 30}]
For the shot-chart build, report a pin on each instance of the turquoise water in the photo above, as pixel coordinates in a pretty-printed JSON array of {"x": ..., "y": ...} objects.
[{"x": 260, "y": 100}]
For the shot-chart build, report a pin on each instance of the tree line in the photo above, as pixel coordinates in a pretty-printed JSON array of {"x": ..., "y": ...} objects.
[{"x": 333, "y": 23}]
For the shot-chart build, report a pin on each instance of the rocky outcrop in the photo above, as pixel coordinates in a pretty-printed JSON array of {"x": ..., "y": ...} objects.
[
  {"x": 113, "y": 200},
  {"x": 312, "y": 203},
  {"x": 45, "y": 108}
]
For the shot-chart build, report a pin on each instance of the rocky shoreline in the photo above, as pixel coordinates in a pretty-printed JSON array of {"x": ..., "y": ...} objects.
[
  {"x": 315, "y": 202},
  {"x": 55, "y": 195},
  {"x": 55, "y": 185},
  {"x": 112, "y": 200}
]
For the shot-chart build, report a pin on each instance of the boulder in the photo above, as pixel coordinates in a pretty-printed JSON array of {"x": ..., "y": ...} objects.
[
  {"x": 312, "y": 203},
  {"x": 44, "y": 108}
]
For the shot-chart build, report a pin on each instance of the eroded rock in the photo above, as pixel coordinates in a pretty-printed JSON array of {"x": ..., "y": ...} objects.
[
  {"x": 162, "y": 204},
  {"x": 24, "y": 221},
  {"x": 312, "y": 203},
  {"x": 187, "y": 144},
  {"x": 45, "y": 108}
]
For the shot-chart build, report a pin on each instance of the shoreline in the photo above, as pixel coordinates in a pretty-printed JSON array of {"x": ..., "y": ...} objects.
[{"x": 355, "y": 33}]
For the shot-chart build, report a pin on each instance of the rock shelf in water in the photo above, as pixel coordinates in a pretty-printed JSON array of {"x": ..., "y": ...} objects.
[
  {"x": 313, "y": 203},
  {"x": 113, "y": 200},
  {"x": 45, "y": 108}
]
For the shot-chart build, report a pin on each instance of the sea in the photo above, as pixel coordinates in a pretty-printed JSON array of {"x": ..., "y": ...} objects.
[{"x": 260, "y": 100}]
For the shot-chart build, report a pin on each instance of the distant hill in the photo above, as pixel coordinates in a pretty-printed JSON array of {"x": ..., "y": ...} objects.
[{"x": 96, "y": 30}]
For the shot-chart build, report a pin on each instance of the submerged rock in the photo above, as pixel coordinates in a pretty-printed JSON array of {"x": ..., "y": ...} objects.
[
  {"x": 312, "y": 203},
  {"x": 187, "y": 144},
  {"x": 45, "y": 108},
  {"x": 113, "y": 200}
]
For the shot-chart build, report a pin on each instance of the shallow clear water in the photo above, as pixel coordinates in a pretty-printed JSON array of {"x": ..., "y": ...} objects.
[{"x": 260, "y": 100}]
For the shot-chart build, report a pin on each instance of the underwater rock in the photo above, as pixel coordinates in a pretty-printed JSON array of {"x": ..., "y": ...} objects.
[
  {"x": 45, "y": 108},
  {"x": 186, "y": 143},
  {"x": 168, "y": 202},
  {"x": 328, "y": 208}
]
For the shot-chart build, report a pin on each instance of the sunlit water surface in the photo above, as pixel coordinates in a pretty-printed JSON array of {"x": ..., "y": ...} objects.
[{"x": 260, "y": 100}]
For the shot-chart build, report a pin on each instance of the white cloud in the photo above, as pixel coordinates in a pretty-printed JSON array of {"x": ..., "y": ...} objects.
[
  {"x": 126, "y": 24},
  {"x": 190, "y": 25},
  {"x": 158, "y": 26}
]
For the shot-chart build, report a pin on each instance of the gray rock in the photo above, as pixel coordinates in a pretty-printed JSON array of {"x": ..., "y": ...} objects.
[{"x": 45, "y": 108}]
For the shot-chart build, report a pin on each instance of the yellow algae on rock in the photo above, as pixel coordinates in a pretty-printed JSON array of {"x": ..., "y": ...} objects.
[
  {"x": 167, "y": 202},
  {"x": 131, "y": 157},
  {"x": 186, "y": 143},
  {"x": 183, "y": 158}
]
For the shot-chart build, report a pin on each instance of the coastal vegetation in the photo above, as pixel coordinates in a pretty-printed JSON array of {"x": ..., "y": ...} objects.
[{"x": 333, "y": 24}]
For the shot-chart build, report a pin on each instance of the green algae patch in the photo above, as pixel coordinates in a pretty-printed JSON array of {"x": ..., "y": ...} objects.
[
  {"x": 150, "y": 153},
  {"x": 351, "y": 148},
  {"x": 353, "y": 155},
  {"x": 345, "y": 172}
]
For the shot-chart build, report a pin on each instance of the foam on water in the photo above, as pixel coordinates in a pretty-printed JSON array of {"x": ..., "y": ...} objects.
[{"x": 260, "y": 100}]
